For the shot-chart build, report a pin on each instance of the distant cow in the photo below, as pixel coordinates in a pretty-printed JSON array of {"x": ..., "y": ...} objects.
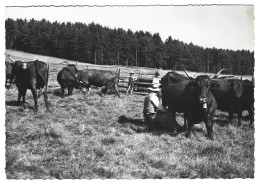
[
  {"x": 8, "y": 73},
  {"x": 234, "y": 96},
  {"x": 67, "y": 79},
  {"x": 31, "y": 75},
  {"x": 193, "y": 98},
  {"x": 100, "y": 78}
]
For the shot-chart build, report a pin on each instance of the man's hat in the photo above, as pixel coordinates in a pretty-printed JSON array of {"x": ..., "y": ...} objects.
[
  {"x": 154, "y": 87},
  {"x": 156, "y": 81}
]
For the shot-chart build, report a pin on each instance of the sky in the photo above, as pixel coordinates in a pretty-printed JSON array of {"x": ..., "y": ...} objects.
[{"x": 226, "y": 27}]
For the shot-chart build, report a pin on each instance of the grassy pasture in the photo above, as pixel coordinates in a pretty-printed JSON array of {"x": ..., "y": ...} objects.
[{"x": 84, "y": 138}]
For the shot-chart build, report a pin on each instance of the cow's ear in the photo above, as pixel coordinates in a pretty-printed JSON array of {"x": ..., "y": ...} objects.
[{"x": 237, "y": 88}]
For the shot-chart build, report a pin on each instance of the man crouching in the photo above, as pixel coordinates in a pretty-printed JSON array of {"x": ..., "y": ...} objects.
[{"x": 154, "y": 113}]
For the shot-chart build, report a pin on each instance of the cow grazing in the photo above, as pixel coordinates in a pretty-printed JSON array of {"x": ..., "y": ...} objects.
[
  {"x": 193, "y": 98},
  {"x": 8, "y": 73},
  {"x": 67, "y": 79},
  {"x": 100, "y": 78},
  {"x": 234, "y": 96},
  {"x": 31, "y": 75}
]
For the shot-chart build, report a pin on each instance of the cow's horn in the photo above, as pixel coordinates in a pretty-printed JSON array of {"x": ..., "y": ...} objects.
[
  {"x": 216, "y": 75},
  {"x": 187, "y": 73}
]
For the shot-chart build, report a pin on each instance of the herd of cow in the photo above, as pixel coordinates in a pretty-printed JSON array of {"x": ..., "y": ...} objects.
[{"x": 198, "y": 98}]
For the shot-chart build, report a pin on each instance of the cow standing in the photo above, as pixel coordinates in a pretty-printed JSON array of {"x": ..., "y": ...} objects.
[
  {"x": 193, "y": 98},
  {"x": 234, "y": 96},
  {"x": 67, "y": 79},
  {"x": 31, "y": 75},
  {"x": 100, "y": 78}
]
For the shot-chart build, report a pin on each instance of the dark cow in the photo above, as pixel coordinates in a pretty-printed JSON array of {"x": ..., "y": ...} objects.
[
  {"x": 100, "y": 78},
  {"x": 8, "y": 73},
  {"x": 193, "y": 98},
  {"x": 234, "y": 96},
  {"x": 168, "y": 79},
  {"x": 67, "y": 79},
  {"x": 247, "y": 99},
  {"x": 31, "y": 75}
]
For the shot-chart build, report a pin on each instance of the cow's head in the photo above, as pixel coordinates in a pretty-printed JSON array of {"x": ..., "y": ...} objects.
[
  {"x": 78, "y": 84},
  {"x": 73, "y": 68},
  {"x": 202, "y": 89},
  {"x": 17, "y": 67},
  {"x": 8, "y": 68}
]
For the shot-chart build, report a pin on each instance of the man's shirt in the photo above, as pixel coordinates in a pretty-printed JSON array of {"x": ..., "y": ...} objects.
[{"x": 151, "y": 102}]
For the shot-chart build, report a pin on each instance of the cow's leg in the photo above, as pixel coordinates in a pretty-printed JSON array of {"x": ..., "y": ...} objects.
[
  {"x": 19, "y": 96},
  {"x": 251, "y": 116},
  {"x": 23, "y": 95},
  {"x": 71, "y": 90},
  {"x": 239, "y": 115},
  {"x": 117, "y": 90},
  {"x": 34, "y": 93},
  {"x": 40, "y": 93},
  {"x": 62, "y": 91},
  {"x": 209, "y": 127},
  {"x": 68, "y": 91},
  {"x": 190, "y": 125},
  {"x": 46, "y": 100},
  {"x": 230, "y": 117},
  {"x": 185, "y": 121}
]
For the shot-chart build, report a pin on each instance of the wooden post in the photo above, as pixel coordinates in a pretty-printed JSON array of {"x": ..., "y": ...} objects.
[
  {"x": 135, "y": 58},
  {"x": 117, "y": 57},
  {"x": 95, "y": 58}
]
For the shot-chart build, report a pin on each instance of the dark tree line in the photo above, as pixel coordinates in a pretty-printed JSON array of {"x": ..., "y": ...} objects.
[{"x": 93, "y": 43}]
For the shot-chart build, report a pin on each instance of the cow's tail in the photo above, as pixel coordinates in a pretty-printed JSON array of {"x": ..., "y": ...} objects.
[{"x": 47, "y": 79}]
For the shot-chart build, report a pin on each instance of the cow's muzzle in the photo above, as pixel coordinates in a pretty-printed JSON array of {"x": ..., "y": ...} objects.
[{"x": 203, "y": 102}]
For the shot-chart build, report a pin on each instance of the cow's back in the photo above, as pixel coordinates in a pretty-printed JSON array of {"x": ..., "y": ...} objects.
[
  {"x": 227, "y": 93},
  {"x": 66, "y": 76},
  {"x": 175, "y": 95},
  {"x": 97, "y": 77}
]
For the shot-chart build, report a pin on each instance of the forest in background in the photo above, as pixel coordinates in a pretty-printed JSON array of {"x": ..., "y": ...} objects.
[{"x": 97, "y": 44}]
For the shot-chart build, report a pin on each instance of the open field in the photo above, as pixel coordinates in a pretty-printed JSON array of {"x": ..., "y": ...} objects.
[{"x": 85, "y": 138}]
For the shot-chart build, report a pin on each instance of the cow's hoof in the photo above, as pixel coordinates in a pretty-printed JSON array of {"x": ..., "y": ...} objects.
[
  {"x": 211, "y": 138},
  {"x": 188, "y": 136}
]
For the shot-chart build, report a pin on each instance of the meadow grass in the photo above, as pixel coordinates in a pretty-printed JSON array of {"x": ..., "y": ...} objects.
[{"x": 86, "y": 138}]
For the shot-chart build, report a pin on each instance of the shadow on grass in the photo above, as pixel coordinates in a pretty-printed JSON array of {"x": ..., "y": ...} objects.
[
  {"x": 25, "y": 105},
  {"x": 12, "y": 103},
  {"x": 141, "y": 126},
  {"x": 223, "y": 122},
  {"x": 56, "y": 92}
]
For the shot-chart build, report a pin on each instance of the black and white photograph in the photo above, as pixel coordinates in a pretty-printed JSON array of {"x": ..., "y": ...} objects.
[{"x": 128, "y": 90}]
